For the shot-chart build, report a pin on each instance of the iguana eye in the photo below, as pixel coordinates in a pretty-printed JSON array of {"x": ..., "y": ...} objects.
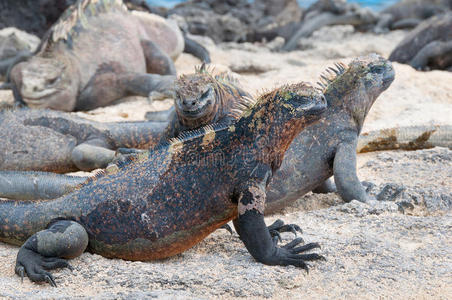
[
  {"x": 205, "y": 94},
  {"x": 52, "y": 81},
  {"x": 377, "y": 69}
]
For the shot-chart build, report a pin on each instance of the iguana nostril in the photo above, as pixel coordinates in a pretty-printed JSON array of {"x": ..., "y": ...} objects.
[{"x": 193, "y": 103}]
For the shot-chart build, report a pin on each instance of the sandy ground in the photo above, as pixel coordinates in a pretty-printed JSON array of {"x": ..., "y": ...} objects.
[{"x": 400, "y": 247}]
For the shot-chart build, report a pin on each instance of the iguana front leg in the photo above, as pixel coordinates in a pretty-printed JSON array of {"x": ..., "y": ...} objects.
[
  {"x": 344, "y": 169},
  {"x": 157, "y": 61},
  {"x": 111, "y": 83},
  {"x": 256, "y": 236},
  {"x": 46, "y": 249},
  {"x": 88, "y": 157}
]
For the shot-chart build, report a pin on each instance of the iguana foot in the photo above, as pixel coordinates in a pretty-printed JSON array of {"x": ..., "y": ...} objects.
[
  {"x": 278, "y": 227},
  {"x": 289, "y": 254},
  {"x": 35, "y": 265}
]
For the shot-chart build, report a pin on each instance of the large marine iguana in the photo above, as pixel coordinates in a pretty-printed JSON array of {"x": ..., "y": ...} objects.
[
  {"x": 98, "y": 52},
  {"x": 428, "y": 46},
  {"x": 166, "y": 200}
]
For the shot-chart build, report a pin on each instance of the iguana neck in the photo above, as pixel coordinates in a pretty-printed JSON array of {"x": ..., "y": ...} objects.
[
  {"x": 269, "y": 130},
  {"x": 353, "y": 103}
]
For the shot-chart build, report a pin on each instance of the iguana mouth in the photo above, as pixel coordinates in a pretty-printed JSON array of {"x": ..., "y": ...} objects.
[
  {"x": 39, "y": 97},
  {"x": 196, "y": 112}
]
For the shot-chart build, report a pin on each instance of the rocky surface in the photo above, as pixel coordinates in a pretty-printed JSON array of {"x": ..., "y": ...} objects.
[{"x": 399, "y": 246}]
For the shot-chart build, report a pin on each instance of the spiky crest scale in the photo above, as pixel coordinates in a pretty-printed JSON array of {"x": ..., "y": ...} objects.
[
  {"x": 268, "y": 95},
  {"x": 75, "y": 18},
  {"x": 330, "y": 75}
]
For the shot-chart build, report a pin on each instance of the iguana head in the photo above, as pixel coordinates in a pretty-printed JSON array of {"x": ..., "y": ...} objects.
[
  {"x": 354, "y": 88},
  {"x": 45, "y": 83},
  {"x": 278, "y": 116},
  {"x": 202, "y": 98},
  {"x": 195, "y": 99}
]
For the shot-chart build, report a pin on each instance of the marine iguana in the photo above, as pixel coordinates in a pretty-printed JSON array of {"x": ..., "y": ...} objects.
[
  {"x": 428, "y": 46},
  {"x": 201, "y": 99},
  {"x": 141, "y": 211},
  {"x": 98, "y": 52},
  {"x": 329, "y": 147},
  {"x": 46, "y": 140}
]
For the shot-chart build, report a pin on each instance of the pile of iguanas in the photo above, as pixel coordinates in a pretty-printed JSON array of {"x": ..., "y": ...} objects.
[{"x": 217, "y": 155}]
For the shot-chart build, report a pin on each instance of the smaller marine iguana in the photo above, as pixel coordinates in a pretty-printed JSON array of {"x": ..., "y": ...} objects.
[
  {"x": 164, "y": 201},
  {"x": 98, "y": 52},
  {"x": 201, "y": 99}
]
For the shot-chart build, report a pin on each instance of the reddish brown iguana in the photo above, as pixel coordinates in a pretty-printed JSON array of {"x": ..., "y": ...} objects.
[{"x": 164, "y": 201}]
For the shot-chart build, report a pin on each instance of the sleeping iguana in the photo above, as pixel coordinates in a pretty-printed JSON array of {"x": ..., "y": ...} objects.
[{"x": 98, "y": 52}]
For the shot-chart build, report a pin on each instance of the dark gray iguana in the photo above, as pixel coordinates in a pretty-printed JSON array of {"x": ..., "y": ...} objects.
[
  {"x": 164, "y": 201},
  {"x": 428, "y": 46},
  {"x": 98, "y": 52}
]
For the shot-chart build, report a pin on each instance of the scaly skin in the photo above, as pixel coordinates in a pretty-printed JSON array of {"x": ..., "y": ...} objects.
[
  {"x": 98, "y": 52},
  {"x": 45, "y": 140},
  {"x": 162, "y": 202}
]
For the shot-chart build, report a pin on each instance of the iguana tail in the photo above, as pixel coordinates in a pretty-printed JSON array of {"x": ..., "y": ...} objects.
[
  {"x": 195, "y": 48},
  {"x": 28, "y": 185},
  {"x": 406, "y": 138}
]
